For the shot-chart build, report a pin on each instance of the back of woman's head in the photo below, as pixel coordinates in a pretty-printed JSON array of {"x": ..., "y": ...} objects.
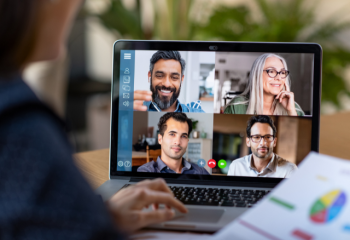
[
  {"x": 18, "y": 29},
  {"x": 254, "y": 89}
]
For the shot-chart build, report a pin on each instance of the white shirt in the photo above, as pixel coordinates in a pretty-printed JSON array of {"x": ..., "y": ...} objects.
[{"x": 277, "y": 167}]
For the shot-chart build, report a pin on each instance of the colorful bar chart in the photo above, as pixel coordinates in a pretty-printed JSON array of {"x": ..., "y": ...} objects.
[{"x": 302, "y": 235}]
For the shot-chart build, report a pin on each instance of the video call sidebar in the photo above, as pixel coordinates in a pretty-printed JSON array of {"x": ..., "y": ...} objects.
[{"x": 126, "y": 111}]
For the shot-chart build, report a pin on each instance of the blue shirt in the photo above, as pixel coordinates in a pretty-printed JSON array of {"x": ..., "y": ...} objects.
[
  {"x": 190, "y": 107},
  {"x": 160, "y": 167},
  {"x": 42, "y": 193}
]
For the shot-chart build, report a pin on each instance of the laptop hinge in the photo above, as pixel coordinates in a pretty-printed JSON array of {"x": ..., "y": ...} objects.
[{"x": 214, "y": 183}]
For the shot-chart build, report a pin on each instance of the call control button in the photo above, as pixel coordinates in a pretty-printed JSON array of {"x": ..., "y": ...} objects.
[
  {"x": 222, "y": 163},
  {"x": 211, "y": 163},
  {"x": 201, "y": 162}
]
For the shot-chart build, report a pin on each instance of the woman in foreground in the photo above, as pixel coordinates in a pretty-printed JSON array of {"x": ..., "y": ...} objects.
[{"x": 42, "y": 193}]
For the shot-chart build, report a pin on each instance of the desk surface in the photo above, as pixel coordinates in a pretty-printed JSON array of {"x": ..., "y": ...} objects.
[{"x": 334, "y": 141}]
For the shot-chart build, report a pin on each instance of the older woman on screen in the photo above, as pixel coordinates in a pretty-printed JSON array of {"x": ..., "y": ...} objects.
[{"x": 268, "y": 90}]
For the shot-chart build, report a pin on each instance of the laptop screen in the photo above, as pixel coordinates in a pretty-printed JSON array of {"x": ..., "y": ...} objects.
[{"x": 241, "y": 114}]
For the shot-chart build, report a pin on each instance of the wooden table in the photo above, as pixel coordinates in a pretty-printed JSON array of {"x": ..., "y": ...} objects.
[
  {"x": 334, "y": 141},
  {"x": 335, "y": 135},
  {"x": 95, "y": 164}
]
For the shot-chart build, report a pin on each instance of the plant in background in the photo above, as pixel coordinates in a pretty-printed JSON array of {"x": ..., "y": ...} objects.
[
  {"x": 171, "y": 20},
  {"x": 127, "y": 22},
  {"x": 195, "y": 133},
  {"x": 279, "y": 21},
  {"x": 286, "y": 21},
  {"x": 194, "y": 124}
]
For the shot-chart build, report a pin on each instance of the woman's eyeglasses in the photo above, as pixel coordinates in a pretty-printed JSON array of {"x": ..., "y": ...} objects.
[{"x": 273, "y": 73}]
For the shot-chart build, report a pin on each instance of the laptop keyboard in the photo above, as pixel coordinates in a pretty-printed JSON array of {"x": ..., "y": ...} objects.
[{"x": 217, "y": 196}]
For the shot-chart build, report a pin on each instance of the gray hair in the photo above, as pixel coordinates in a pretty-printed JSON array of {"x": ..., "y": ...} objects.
[
  {"x": 167, "y": 55},
  {"x": 254, "y": 93}
]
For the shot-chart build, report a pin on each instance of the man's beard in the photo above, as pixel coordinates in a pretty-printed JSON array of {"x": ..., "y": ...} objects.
[
  {"x": 264, "y": 156},
  {"x": 163, "y": 102},
  {"x": 175, "y": 156}
]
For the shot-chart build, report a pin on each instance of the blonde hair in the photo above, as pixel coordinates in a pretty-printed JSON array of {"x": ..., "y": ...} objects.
[{"x": 254, "y": 92}]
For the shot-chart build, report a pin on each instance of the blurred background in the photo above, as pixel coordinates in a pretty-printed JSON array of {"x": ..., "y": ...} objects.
[{"x": 77, "y": 85}]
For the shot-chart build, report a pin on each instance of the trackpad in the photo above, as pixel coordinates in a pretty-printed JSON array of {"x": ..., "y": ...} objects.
[{"x": 200, "y": 215}]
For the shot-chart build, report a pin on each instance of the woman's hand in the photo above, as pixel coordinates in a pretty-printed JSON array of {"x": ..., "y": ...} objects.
[
  {"x": 286, "y": 98},
  {"x": 126, "y": 205}
]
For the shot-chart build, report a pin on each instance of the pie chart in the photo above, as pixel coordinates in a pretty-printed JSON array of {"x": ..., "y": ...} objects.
[{"x": 327, "y": 207}]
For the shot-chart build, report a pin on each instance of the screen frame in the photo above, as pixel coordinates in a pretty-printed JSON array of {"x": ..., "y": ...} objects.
[{"x": 262, "y": 47}]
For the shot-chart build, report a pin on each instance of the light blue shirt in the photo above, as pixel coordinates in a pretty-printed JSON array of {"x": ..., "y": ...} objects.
[{"x": 189, "y": 107}]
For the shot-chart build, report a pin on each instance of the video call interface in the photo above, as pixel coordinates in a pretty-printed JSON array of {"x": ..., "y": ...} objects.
[{"x": 214, "y": 113}]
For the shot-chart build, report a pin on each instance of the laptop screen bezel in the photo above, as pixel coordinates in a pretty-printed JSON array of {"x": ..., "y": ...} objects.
[{"x": 262, "y": 47}]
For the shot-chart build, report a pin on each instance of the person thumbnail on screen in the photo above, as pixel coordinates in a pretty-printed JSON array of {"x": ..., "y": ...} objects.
[
  {"x": 173, "y": 137},
  {"x": 268, "y": 84},
  {"x": 167, "y": 88},
  {"x": 268, "y": 90},
  {"x": 263, "y": 162}
]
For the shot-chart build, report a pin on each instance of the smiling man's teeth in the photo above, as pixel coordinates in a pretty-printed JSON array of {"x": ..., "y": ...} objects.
[{"x": 165, "y": 91}]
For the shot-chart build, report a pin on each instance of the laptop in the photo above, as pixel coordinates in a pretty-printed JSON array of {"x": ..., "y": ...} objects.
[{"x": 217, "y": 86}]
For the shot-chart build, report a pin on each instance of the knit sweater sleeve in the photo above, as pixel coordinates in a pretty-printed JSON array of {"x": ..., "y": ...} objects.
[{"x": 42, "y": 193}]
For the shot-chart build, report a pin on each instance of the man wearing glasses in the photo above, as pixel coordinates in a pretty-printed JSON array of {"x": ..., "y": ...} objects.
[{"x": 261, "y": 138}]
